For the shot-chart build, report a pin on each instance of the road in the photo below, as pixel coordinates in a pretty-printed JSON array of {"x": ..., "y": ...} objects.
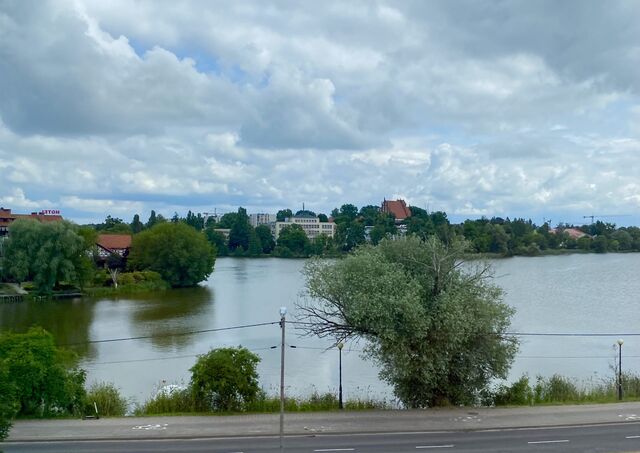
[{"x": 621, "y": 437}]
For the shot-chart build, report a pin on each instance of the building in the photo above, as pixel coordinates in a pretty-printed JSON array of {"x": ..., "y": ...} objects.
[
  {"x": 572, "y": 232},
  {"x": 224, "y": 231},
  {"x": 118, "y": 244},
  {"x": 261, "y": 219},
  {"x": 311, "y": 225},
  {"x": 110, "y": 245},
  {"x": 396, "y": 207},
  {"x": 7, "y": 217}
]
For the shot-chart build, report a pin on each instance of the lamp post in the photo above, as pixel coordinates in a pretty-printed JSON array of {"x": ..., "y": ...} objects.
[
  {"x": 283, "y": 314},
  {"x": 620, "y": 342},
  {"x": 340, "y": 406}
]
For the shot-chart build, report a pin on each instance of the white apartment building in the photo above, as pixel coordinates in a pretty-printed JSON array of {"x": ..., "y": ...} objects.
[
  {"x": 312, "y": 226},
  {"x": 261, "y": 219}
]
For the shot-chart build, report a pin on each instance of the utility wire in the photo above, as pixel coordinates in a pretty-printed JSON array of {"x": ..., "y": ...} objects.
[
  {"x": 154, "y": 359},
  {"x": 191, "y": 332}
]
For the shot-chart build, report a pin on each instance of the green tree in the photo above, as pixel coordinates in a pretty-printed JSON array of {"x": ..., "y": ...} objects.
[
  {"x": 283, "y": 214},
  {"x": 225, "y": 379},
  {"x": 47, "y": 253},
  {"x": 136, "y": 225},
  {"x": 600, "y": 244},
  {"x": 266, "y": 238},
  {"x": 217, "y": 239},
  {"x": 349, "y": 234},
  {"x": 44, "y": 378},
  {"x": 437, "y": 331},
  {"x": 8, "y": 403},
  {"x": 255, "y": 246},
  {"x": 178, "y": 252},
  {"x": 153, "y": 219},
  {"x": 241, "y": 230},
  {"x": 292, "y": 240}
]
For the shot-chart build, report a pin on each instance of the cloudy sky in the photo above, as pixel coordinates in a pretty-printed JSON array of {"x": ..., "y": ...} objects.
[{"x": 507, "y": 108}]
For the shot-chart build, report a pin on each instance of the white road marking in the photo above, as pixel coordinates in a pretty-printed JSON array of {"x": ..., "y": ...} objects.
[
  {"x": 336, "y": 449},
  {"x": 548, "y": 441},
  {"x": 435, "y": 446},
  {"x": 632, "y": 437},
  {"x": 150, "y": 427}
]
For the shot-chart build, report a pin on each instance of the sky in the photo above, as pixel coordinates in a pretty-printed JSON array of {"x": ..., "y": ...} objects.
[{"x": 476, "y": 108}]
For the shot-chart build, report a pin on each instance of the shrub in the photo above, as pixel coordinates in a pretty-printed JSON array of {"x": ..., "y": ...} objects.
[
  {"x": 107, "y": 397},
  {"x": 8, "y": 403},
  {"x": 225, "y": 379},
  {"x": 44, "y": 377},
  {"x": 518, "y": 394}
]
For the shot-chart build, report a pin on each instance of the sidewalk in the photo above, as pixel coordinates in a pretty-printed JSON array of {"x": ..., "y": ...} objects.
[{"x": 322, "y": 423}]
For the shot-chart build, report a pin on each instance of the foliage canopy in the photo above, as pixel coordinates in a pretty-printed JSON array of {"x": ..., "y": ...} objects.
[
  {"x": 225, "y": 379},
  {"x": 435, "y": 327},
  {"x": 43, "y": 378},
  {"x": 47, "y": 253},
  {"x": 178, "y": 252}
]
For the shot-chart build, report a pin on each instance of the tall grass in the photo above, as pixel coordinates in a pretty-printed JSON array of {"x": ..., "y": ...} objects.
[
  {"x": 107, "y": 398},
  {"x": 562, "y": 390},
  {"x": 182, "y": 402}
]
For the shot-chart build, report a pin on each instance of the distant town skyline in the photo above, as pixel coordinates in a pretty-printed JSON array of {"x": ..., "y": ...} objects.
[{"x": 510, "y": 109}]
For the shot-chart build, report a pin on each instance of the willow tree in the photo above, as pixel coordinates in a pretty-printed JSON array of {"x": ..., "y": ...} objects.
[
  {"x": 435, "y": 325},
  {"x": 47, "y": 253}
]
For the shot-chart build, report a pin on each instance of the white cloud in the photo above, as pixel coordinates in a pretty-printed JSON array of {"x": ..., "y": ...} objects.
[{"x": 122, "y": 107}]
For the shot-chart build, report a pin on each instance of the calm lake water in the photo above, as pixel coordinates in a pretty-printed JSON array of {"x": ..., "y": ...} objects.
[{"x": 556, "y": 294}]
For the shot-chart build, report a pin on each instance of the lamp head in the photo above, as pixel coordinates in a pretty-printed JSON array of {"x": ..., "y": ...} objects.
[
  {"x": 340, "y": 345},
  {"x": 283, "y": 311},
  {"x": 620, "y": 342}
]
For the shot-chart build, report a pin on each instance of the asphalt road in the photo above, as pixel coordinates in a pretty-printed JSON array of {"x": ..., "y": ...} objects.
[{"x": 622, "y": 437}]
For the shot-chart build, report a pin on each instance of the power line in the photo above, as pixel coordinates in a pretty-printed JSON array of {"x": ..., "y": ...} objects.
[
  {"x": 154, "y": 359},
  {"x": 569, "y": 334},
  {"x": 191, "y": 332}
]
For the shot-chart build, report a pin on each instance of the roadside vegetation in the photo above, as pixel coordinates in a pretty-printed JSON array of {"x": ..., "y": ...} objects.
[{"x": 562, "y": 390}]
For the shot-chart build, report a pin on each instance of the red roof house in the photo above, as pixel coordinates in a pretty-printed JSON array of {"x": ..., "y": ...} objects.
[{"x": 113, "y": 243}]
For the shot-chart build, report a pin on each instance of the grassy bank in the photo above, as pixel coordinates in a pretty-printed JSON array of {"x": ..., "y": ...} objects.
[
  {"x": 561, "y": 390},
  {"x": 180, "y": 402}
]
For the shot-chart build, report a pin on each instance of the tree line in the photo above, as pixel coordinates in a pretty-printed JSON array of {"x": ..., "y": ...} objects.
[
  {"x": 59, "y": 256},
  {"x": 369, "y": 224}
]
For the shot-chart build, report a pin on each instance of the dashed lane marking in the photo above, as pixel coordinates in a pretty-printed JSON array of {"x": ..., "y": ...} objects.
[
  {"x": 436, "y": 446},
  {"x": 336, "y": 449},
  {"x": 549, "y": 441}
]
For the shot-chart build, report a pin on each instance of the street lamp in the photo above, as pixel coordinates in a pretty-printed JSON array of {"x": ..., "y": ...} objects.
[
  {"x": 620, "y": 342},
  {"x": 283, "y": 314},
  {"x": 340, "y": 346}
]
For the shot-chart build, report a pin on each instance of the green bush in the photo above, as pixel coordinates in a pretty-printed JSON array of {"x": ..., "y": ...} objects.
[
  {"x": 517, "y": 394},
  {"x": 45, "y": 378},
  {"x": 8, "y": 402},
  {"x": 225, "y": 379},
  {"x": 107, "y": 397}
]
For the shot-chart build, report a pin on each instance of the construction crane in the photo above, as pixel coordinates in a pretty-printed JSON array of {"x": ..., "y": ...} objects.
[{"x": 592, "y": 217}]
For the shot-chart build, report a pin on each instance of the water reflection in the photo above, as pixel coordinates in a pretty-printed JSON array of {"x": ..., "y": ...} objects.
[
  {"x": 68, "y": 320},
  {"x": 163, "y": 315}
]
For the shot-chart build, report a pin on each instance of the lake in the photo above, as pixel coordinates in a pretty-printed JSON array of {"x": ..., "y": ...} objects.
[{"x": 553, "y": 294}]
